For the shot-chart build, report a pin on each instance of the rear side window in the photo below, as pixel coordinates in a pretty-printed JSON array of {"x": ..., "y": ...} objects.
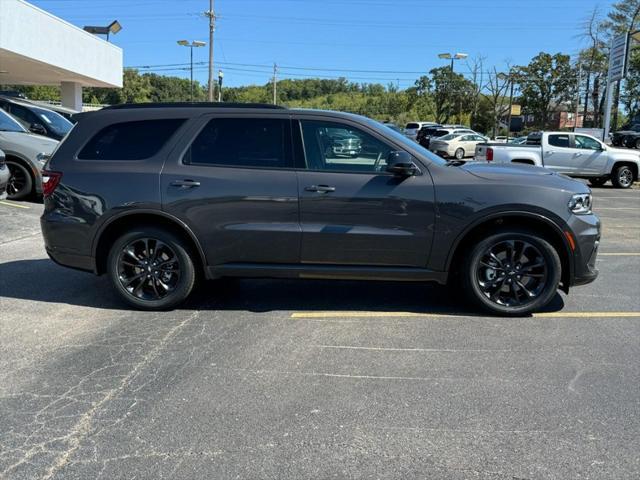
[
  {"x": 130, "y": 140},
  {"x": 559, "y": 140},
  {"x": 412, "y": 125},
  {"x": 242, "y": 142}
]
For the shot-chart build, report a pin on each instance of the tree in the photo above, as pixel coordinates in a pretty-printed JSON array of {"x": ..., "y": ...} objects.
[
  {"x": 450, "y": 92},
  {"x": 546, "y": 83},
  {"x": 497, "y": 87}
]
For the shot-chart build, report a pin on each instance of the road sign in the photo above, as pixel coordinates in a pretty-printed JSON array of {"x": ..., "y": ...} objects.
[{"x": 617, "y": 58}]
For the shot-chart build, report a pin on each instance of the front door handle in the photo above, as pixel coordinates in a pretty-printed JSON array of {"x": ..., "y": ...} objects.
[
  {"x": 577, "y": 154},
  {"x": 185, "y": 183},
  {"x": 320, "y": 188}
]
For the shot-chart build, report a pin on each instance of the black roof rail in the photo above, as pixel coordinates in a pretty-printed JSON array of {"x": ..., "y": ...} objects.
[{"x": 125, "y": 106}]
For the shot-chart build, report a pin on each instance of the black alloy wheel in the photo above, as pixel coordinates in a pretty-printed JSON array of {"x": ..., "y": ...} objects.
[
  {"x": 512, "y": 273},
  {"x": 20, "y": 182},
  {"x": 148, "y": 269},
  {"x": 151, "y": 269}
]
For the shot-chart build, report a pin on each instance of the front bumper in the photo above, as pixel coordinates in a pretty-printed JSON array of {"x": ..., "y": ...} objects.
[
  {"x": 4, "y": 180},
  {"x": 586, "y": 231}
]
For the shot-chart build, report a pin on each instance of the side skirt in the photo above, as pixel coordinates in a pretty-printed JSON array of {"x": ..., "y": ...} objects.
[{"x": 334, "y": 272}]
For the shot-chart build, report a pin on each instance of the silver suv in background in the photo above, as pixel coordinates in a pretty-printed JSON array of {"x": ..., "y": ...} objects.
[
  {"x": 26, "y": 153},
  {"x": 411, "y": 129},
  {"x": 35, "y": 118}
]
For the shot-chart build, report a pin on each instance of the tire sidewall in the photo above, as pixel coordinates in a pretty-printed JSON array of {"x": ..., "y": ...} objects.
[
  {"x": 477, "y": 296},
  {"x": 187, "y": 270},
  {"x": 461, "y": 154},
  {"x": 28, "y": 188},
  {"x": 615, "y": 178}
]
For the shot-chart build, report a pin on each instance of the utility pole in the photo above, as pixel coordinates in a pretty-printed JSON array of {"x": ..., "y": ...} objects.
[
  {"x": 212, "y": 26},
  {"x": 275, "y": 91},
  {"x": 575, "y": 121}
]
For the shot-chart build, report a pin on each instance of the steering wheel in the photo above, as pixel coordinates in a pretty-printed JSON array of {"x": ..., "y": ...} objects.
[{"x": 376, "y": 165}]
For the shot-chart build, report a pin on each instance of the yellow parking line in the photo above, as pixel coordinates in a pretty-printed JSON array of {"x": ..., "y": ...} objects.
[
  {"x": 13, "y": 204},
  {"x": 366, "y": 314}
]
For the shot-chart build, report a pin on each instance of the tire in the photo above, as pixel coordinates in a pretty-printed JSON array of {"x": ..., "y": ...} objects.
[
  {"x": 622, "y": 177},
  {"x": 160, "y": 289},
  {"x": 459, "y": 154},
  {"x": 598, "y": 182},
  {"x": 20, "y": 183},
  {"x": 537, "y": 258}
]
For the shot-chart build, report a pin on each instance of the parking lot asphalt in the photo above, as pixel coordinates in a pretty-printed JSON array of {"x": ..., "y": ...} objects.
[{"x": 315, "y": 379}]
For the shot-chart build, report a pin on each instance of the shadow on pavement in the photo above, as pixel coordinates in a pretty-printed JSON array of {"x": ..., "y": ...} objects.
[{"x": 43, "y": 281}]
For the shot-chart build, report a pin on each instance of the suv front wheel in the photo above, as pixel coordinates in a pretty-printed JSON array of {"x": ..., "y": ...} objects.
[
  {"x": 151, "y": 269},
  {"x": 512, "y": 273}
]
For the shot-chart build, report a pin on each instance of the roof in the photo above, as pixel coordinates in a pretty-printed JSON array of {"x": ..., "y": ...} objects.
[{"x": 126, "y": 106}]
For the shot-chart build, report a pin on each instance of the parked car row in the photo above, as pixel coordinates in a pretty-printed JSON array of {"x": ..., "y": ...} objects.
[
  {"x": 573, "y": 154},
  {"x": 28, "y": 134}
]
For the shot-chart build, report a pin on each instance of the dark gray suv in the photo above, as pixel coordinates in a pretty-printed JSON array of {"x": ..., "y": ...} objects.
[{"x": 159, "y": 195}]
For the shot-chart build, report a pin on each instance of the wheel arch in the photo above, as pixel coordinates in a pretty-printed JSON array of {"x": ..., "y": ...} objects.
[
  {"x": 536, "y": 222},
  {"x": 119, "y": 224}
]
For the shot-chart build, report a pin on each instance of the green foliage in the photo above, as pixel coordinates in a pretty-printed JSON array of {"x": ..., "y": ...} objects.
[{"x": 546, "y": 82}]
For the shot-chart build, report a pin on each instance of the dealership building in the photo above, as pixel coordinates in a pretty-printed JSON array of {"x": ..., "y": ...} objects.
[{"x": 37, "y": 48}]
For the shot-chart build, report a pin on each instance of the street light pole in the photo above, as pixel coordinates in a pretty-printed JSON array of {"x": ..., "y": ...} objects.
[{"x": 192, "y": 45}]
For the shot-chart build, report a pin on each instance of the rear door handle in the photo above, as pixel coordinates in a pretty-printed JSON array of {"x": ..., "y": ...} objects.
[
  {"x": 320, "y": 188},
  {"x": 185, "y": 183}
]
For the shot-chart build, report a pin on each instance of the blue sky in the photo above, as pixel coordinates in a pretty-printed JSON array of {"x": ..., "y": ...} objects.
[{"x": 364, "y": 40}]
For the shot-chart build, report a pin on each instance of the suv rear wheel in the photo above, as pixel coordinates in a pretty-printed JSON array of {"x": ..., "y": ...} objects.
[
  {"x": 512, "y": 273},
  {"x": 151, "y": 269}
]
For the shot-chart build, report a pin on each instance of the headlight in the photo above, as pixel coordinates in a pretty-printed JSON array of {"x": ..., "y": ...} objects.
[
  {"x": 42, "y": 158},
  {"x": 580, "y": 203}
]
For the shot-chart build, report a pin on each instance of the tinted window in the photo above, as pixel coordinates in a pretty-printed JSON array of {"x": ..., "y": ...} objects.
[
  {"x": 130, "y": 140},
  {"x": 587, "y": 143},
  {"x": 334, "y": 146},
  {"x": 8, "y": 124},
  {"x": 559, "y": 140},
  {"x": 241, "y": 142},
  {"x": 440, "y": 133},
  {"x": 23, "y": 114},
  {"x": 412, "y": 125}
]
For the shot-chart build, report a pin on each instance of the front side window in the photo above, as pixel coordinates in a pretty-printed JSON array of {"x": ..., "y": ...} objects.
[
  {"x": 338, "y": 147},
  {"x": 559, "y": 141},
  {"x": 587, "y": 143},
  {"x": 241, "y": 142},
  {"x": 130, "y": 140}
]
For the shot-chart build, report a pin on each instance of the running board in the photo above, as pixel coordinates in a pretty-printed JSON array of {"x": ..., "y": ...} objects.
[{"x": 333, "y": 272}]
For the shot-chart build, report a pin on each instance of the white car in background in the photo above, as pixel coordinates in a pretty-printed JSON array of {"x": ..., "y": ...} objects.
[
  {"x": 26, "y": 153},
  {"x": 4, "y": 176},
  {"x": 456, "y": 145},
  {"x": 411, "y": 129}
]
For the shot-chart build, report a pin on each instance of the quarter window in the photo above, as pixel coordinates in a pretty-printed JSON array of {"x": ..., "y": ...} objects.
[
  {"x": 559, "y": 141},
  {"x": 130, "y": 140},
  {"x": 241, "y": 142},
  {"x": 339, "y": 147}
]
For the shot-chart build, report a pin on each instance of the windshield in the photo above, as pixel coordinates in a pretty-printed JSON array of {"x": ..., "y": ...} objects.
[
  {"x": 54, "y": 120},
  {"x": 407, "y": 142},
  {"x": 8, "y": 124},
  {"x": 451, "y": 136}
]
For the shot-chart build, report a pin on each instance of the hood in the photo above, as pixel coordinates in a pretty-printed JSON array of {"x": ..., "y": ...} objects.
[
  {"x": 512, "y": 174},
  {"x": 15, "y": 140},
  {"x": 490, "y": 171},
  {"x": 624, "y": 152}
]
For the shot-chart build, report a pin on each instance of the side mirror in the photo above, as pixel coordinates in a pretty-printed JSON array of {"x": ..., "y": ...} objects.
[
  {"x": 401, "y": 164},
  {"x": 38, "y": 128}
]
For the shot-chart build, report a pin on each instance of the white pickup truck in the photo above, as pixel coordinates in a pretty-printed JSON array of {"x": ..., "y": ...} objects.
[{"x": 574, "y": 154}]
